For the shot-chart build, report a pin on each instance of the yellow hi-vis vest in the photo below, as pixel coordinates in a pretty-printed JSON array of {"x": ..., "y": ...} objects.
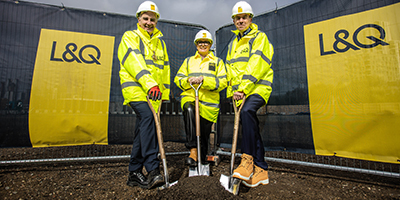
[
  {"x": 213, "y": 71},
  {"x": 248, "y": 64},
  {"x": 140, "y": 69}
]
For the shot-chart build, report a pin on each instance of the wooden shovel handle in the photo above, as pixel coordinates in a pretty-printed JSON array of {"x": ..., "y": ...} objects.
[
  {"x": 235, "y": 130},
  {"x": 197, "y": 110},
  {"x": 158, "y": 127}
]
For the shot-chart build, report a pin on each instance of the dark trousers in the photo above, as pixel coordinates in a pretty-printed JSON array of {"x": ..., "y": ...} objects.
[
  {"x": 189, "y": 117},
  {"x": 145, "y": 144},
  {"x": 252, "y": 143}
]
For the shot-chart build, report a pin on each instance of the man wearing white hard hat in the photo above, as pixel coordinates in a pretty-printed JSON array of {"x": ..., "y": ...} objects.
[
  {"x": 250, "y": 75},
  {"x": 209, "y": 70},
  {"x": 145, "y": 71}
]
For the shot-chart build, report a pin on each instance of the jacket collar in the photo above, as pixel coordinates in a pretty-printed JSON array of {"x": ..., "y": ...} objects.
[
  {"x": 145, "y": 34},
  {"x": 254, "y": 29},
  {"x": 209, "y": 55}
]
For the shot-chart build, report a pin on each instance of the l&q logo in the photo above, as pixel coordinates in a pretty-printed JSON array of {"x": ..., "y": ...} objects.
[
  {"x": 74, "y": 70},
  {"x": 72, "y": 54},
  {"x": 342, "y": 45}
]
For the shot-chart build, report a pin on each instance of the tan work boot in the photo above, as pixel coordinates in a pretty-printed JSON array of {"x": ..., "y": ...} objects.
[
  {"x": 245, "y": 169},
  {"x": 260, "y": 176},
  {"x": 192, "y": 159}
]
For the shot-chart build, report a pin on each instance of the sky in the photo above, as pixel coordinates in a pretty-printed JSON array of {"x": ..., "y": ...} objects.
[{"x": 211, "y": 14}]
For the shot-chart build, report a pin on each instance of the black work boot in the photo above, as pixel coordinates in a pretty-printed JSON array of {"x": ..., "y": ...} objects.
[
  {"x": 137, "y": 178},
  {"x": 155, "y": 178}
]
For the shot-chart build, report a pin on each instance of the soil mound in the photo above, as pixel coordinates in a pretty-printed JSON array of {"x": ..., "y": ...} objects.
[{"x": 197, "y": 187}]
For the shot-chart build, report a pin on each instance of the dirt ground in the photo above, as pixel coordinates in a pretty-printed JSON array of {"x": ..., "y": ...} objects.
[{"x": 107, "y": 180}]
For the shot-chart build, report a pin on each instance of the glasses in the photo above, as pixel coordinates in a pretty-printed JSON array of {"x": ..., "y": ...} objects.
[{"x": 203, "y": 43}]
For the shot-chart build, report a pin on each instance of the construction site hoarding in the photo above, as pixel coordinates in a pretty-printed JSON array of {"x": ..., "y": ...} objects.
[
  {"x": 335, "y": 90},
  {"x": 353, "y": 81}
]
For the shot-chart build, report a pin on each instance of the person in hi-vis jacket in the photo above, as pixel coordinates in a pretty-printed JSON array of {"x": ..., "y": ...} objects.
[
  {"x": 249, "y": 73},
  {"x": 204, "y": 67},
  {"x": 145, "y": 71}
]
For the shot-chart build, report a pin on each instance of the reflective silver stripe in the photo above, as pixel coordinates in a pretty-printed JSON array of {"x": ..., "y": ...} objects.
[
  {"x": 126, "y": 55},
  {"x": 214, "y": 105},
  {"x": 240, "y": 59},
  {"x": 142, "y": 73},
  {"x": 202, "y": 74},
  {"x": 224, "y": 76},
  {"x": 166, "y": 62},
  {"x": 187, "y": 63},
  {"x": 258, "y": 52},
  {"x": 216, "y": 84},
  {"x": 208, "y": 75},
  {"x": 137, "y": 51},
  {"x": 129, "y": 84},
  {"x": 195, "y": 74},
  {"x": 159, "y": 66},
  {"x": 235, "y": 87},
  {"x": 180, "y": 83},
  {"x": 230, "y": 46},
  {"x": 151, "y": 62},
  {"x": 250, "y": 77},
  {"x": 265, "y": 58},
  {"x": 264, "y": 82},
  {"x": 226, "y": 69},
  {"x": 162, "y": 43},
  {"x": 261, "y": 82},
  {"x": 251, "y": 42},
  {"x": 141, "y": 45},
  {"x": 180, "y": 75},
  {"x": 218, "y": 77}
]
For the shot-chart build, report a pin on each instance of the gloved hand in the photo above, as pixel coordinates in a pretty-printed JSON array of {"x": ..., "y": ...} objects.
[{"x": 155, "y": 93}]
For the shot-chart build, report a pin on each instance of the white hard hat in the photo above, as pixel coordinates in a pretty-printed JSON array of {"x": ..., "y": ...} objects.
[
  {"x": 203, "y": 34},
  {"x": 147, "y": 6},
  {"x": 242, "y": 7}
]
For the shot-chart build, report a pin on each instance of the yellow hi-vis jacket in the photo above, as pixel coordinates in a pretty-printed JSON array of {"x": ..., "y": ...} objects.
[
  {"x": 248, "y": 64},
  {"x": 139, "y": 70},
  {"x": 213, "y": 71}
]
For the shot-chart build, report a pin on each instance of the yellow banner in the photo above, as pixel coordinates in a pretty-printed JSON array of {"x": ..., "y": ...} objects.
[
  {"x": 353, "y": 68},
  {"x": 70, "y": 89}
]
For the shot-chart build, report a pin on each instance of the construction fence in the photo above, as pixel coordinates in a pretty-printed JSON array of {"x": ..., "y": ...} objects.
[{"x": 335, "y": 90}]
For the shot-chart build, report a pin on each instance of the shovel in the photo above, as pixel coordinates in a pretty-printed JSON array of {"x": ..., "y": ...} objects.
[
  {"x": 232, "y": 184},
  {"x": 200, "y": 170},
  {"x": 213, "y": 157},
  {"x": 160, "y": 143}
]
